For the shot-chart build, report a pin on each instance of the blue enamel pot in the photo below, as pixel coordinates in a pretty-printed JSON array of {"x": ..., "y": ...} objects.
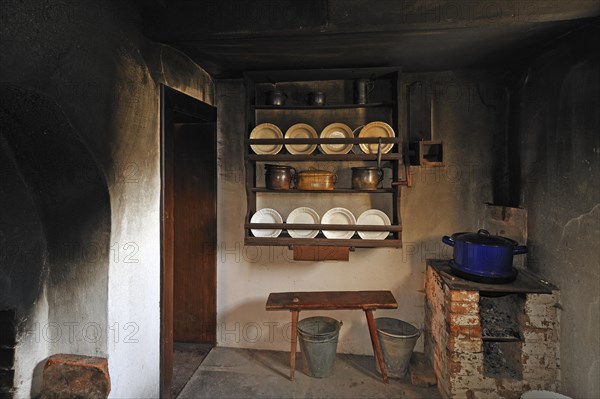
[{"x": 484, "y": 255}]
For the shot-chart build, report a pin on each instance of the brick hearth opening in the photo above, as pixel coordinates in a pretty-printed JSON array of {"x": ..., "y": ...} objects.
[{"x": 491, "y": 340}]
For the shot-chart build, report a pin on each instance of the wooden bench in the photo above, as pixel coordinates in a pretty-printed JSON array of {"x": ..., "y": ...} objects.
[{"x": 334, "y": 300}]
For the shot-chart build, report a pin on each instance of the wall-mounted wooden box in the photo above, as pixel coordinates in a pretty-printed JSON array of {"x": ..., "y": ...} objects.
[{"x": 426, "y": 153}]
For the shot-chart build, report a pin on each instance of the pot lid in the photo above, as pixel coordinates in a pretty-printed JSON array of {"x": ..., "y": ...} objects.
[
  {"x": 316, "y": 172},
  {"x": 484, "y": 237}
]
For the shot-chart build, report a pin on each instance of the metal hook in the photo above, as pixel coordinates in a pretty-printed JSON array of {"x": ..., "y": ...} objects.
[{"x": 379, "y": 154}]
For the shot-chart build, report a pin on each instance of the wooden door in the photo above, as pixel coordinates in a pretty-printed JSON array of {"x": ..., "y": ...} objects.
[
  {"x": 177, "y": 110},
  {"x": 195, "y": 233}
]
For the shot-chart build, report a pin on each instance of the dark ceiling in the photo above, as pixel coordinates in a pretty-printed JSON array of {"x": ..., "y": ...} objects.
[{"x": 229, "y": 37}]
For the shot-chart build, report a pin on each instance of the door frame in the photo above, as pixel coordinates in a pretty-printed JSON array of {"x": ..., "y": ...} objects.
[{"x": 175, "y": 107}]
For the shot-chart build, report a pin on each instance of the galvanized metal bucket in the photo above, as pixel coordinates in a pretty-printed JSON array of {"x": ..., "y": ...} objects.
[
  {"x": 318, "y": 338},
  {"x": 397, "y": 339}
]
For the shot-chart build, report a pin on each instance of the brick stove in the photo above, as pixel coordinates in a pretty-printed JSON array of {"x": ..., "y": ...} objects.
[{"x": 491, "y": 340}]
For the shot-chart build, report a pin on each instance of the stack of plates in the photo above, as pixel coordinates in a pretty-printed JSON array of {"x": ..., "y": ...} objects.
[
  {"x": 306, "y": 215},
  {"x": 331, "y": 131}
]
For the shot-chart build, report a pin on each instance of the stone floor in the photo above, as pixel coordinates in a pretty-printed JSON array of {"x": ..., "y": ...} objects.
[
  {"x": 244, "y": 373},
  {"x": 186, "y": 359}
]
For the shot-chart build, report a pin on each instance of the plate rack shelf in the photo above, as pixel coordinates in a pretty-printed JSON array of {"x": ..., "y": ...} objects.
[{"x": 337, "y": 84}]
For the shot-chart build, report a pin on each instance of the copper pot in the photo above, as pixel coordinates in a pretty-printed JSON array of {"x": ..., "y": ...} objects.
[
  {"x": 366, "y": 178},
  {"x": 314, "y": 179},
  {"x": 279, "y": 177}
]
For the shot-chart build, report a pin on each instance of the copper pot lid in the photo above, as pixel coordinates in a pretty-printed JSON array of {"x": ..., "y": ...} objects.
[{"x": 316, "y": 173}]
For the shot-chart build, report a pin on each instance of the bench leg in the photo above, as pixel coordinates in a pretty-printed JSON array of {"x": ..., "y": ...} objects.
[
  {"x": 294, "y": 339},
  {"x": 376, "y": 345}
]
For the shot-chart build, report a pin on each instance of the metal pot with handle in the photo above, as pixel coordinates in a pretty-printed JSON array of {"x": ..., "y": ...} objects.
[
  {"x": 279, "y": 177},
  {"x": 368, "y": 177},
  {"x": 275, "y": 97},
  {"x": 482, "y": 255}
]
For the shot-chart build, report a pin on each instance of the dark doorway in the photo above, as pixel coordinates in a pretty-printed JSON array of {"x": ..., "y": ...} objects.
[{"x": 189, "y": 225}]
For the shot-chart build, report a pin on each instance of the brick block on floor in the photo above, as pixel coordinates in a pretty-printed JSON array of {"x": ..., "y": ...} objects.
[
  {"x": 421, "y": 372},
  {"x": 75, "y": 376}
]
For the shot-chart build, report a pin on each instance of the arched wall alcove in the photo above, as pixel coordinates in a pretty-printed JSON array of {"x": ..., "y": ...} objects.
[{"x": 54, "y": 234}]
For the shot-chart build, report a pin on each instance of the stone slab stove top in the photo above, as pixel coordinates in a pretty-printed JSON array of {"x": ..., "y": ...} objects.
[{"x": 526, "y": 282}]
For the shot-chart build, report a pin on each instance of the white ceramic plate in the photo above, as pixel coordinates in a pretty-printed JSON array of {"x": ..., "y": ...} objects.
[
  {"x": 303, "y": 215},
  {"x": 266, "y": 131},
  {"x": 266, "y": 215},
  {"x": 301, "y": 131},
  {"x": 336, "y": 131},
  {"x": 376, "y": 129},
  {"x": 338, "y": 216},
  {"x": 373, "y": 217}
]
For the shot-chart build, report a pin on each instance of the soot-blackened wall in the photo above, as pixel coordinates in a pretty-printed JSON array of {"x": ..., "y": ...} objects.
[
  {"x": 559, "y": 134},
  {"x": 99, "y": 247},
  {"x": 56, "y": 229}
]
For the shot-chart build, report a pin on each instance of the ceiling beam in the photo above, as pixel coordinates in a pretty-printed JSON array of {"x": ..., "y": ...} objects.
[{"x": 185, "y": 20}]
